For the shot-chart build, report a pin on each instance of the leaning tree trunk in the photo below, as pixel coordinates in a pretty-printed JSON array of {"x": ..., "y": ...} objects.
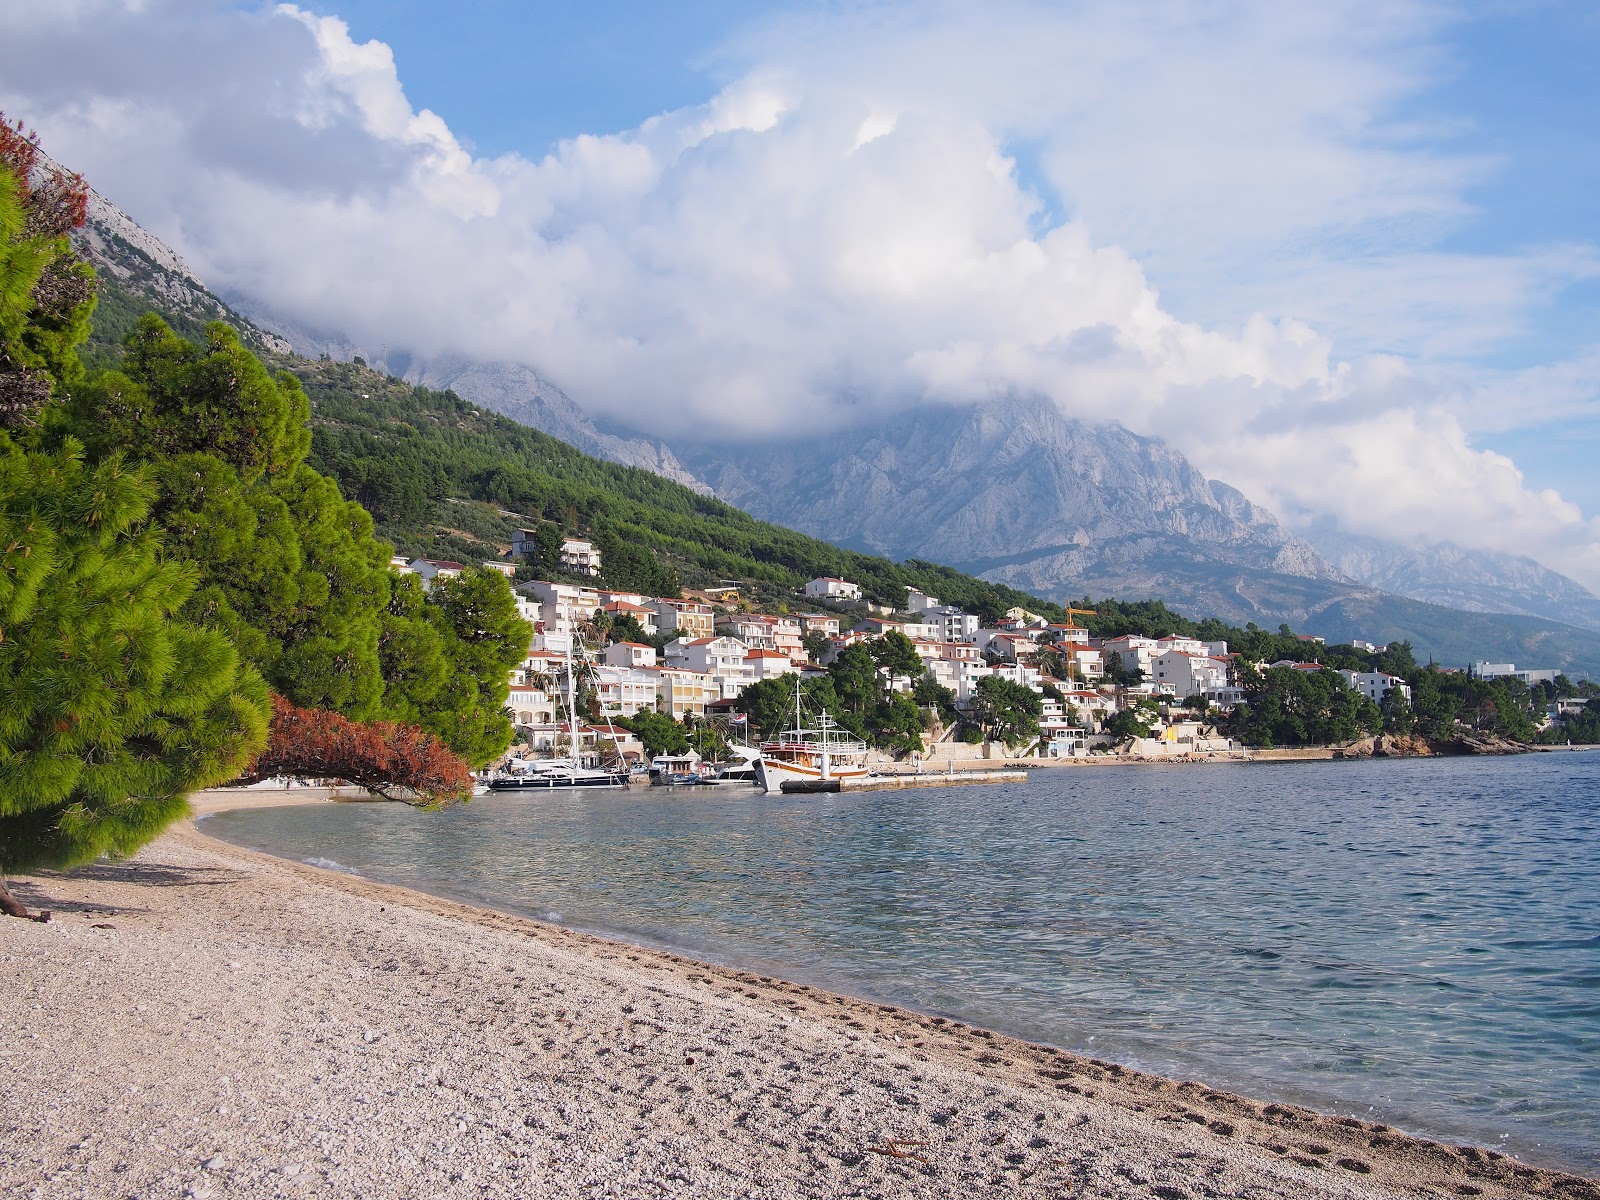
[{"x": 12, "y": 907}]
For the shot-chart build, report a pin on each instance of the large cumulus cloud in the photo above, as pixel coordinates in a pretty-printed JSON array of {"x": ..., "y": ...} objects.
[{"x": 893, "y": 207}]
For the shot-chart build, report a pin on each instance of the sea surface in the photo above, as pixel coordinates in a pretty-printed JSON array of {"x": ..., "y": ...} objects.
[{"x": 1414, "y": 942}]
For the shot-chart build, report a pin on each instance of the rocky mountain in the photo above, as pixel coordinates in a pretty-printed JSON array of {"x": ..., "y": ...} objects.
[
  {"x": 1013, "y": 489},
  {"x": 1473, "y": 580},
  {"x": 1020, "y": 494},
  {"x": 521, "y": 394},
  {"x": 138, "y": 270}
]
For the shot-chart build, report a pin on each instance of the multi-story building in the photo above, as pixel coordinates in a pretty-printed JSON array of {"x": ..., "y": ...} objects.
[
  {"x": 628, "y": 654},
  {"x": 829, "y": 587},
  {"x": 1187, "y": 673},
  {"x": 622, "y": 691},
  {"x": 686, "y": 618},
  {"x": 953, "y": 624},
  {"x": 1373, "y": 684},
  {"x": 682, "y": 693},
  {"x": 530, "y": 705},
  {"x": 1132, "y": 652},
  {"x": 579, "y": 557},
  {"x": 767, "y": 664},
  {"x": 823, "y": 623},
  {"x": 759, "y": 631},
  {"x": 1084, "y": 662},
  {"x": 565, "y": 606},
  {"x": 712, "y": 656}
]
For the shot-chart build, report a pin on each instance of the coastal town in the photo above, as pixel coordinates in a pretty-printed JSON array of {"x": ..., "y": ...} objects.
[{"x": 694, "y": 658}]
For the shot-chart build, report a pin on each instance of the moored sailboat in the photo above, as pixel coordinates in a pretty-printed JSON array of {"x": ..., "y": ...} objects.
[{"x": 524, "y": 774}]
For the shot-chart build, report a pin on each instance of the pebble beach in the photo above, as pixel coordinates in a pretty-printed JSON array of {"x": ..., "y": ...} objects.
[{"x": 206, "y": 1021}]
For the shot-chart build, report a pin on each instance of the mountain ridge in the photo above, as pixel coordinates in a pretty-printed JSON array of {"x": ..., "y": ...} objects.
[{"x": 1252, "y": 567}]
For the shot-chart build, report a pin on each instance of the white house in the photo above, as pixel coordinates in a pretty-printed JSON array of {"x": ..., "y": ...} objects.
[
  {"x": 824, "y": 623},
  {"x": 710, "y": 656},
  {"x": 629, "y": 654},
  {"x": 1187, "y": 673},
  {"x": 1086, "y": 662},
  {"x": 565, "y": 605},
  {"x": 1131, "y": 651},
  {"x": 1373, "y": 684},
  {"x": 767, "y": 664},
  {"x": 954, "y": 625},
  {"x": 1488, "y": 670},
  {"x": 579, "y": 557},
  {"x": 828, "y": 587},
  {"x": 624, "y": 690},
  {"x": 918, "y": 602},
  {"x": 503, "y": 568},
  {"x": 530, "y": 705},
  {"x": 430, "y": 569}
]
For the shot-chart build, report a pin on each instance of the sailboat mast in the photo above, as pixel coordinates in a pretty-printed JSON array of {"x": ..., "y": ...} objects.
[{"x": 572, "y": 708}]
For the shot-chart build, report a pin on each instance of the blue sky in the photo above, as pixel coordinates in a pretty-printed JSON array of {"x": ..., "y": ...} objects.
[
  {"x": 1344, "y": 256},
  {"x": 1515, "y": 83}
]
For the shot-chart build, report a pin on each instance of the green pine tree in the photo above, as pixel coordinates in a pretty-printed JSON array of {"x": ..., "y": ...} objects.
[{"x": 111, "y": 711}]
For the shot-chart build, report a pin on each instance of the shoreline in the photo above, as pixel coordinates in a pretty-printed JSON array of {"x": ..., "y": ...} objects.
[{"x": 788, "y": 1089}]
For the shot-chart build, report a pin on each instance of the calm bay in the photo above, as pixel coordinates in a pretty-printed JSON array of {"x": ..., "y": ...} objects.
[{"x": 1415, "y": 942}]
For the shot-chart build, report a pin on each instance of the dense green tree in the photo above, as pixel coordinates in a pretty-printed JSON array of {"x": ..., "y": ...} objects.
[
  {"x": 929, "y": 693},
  {"x": 289, "y": 569},
  {"x": 1007, "y": 712},
  {"x": 897, "y": 724},
  {"x": 1135, "y": 721},
  {"x": 1285, "y": 706},
  {"x": 856, "y": 681},
  {"x": 625, "y": 627},
  {"x": 709, "y": 742},
  {"x": 897, "y": 657},
  {"x": 111, "y": 710},
  {"x": 173, "y": 397},
  {"x": 411, "y": 653},
  {"x": 816, "y": 644},
  {"x": 770, "y": 703},
  {"x": 659, "y": 734},
  {"x": 1397, "y": 715},
  {"x": 483, "y": 636},
  {"x": 46, "y": 292}
]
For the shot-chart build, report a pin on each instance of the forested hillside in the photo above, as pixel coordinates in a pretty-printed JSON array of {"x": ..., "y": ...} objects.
[{"x": 444, "y": 478}]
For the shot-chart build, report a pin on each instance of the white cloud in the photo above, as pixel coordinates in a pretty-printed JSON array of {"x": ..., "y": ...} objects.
[{"x": 867, "y": 216}]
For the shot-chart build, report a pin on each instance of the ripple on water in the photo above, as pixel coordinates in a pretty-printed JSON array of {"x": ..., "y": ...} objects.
[{"x": 1411, "y": 939}]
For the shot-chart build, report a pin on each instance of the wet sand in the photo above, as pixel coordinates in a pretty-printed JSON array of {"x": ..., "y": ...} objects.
[{"x": 207, "y": 1021}]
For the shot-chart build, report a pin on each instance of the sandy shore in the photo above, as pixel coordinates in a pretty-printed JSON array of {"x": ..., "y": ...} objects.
[{"x": 205, "y": 1021}]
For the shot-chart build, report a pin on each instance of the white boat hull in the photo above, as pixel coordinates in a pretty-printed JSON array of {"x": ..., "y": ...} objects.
[{"x": 772, "y": 774}]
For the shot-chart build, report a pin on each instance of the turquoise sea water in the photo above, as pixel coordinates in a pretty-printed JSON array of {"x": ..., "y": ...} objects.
[{"x": 1415, "y": 942}]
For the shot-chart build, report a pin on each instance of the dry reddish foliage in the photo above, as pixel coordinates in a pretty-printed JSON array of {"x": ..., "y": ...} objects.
[
  {"x": 399, "y": 762},
  {"x": 55, "y": 203}
]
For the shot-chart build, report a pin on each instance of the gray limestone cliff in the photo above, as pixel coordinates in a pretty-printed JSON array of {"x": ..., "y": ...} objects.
[{"x": 1012, "y": 489}]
